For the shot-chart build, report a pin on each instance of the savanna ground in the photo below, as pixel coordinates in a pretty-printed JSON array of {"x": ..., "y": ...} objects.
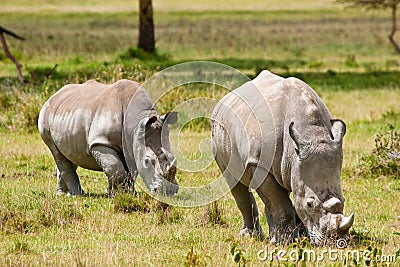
[{"x": 342, "y": 53}]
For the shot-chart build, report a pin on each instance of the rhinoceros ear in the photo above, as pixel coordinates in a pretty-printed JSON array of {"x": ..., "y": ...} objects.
[
  {"x": 152, "y": 118},
  {"x": 170, "y": 117},
  {"x": 295, "y": 135},
  {"x": 338, "y": 130},
  {"x": 141, "y": 130}
]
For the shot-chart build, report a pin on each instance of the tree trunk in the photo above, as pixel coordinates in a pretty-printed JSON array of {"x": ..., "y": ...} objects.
[
  {"x": 146, "y": 26},
  {"x": 8, "y": 53},
  {"x": 394, "y": 28}
]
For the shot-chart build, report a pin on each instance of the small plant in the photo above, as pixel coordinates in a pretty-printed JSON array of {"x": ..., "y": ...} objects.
[
  {"x": 128, "y": 203},
  {"x": 385, "y": 158},
  {"x": 15, "y": 221},
  {"x": 168, "y": 215},
  {"x": 141, "y": 202},
  {"x": 20, "y": 247},
  {"x": 193, "y": 259},
  {"x": 213, "y": 214},
  {"x": 300, "y": 245},
  {"x": 351, "y": 61},
  {"x": 237, "y": 253}
]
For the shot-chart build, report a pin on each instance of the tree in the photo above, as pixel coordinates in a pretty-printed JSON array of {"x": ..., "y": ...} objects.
[
  {"x": 146, "y": 26},
  {"x": 380, "y": 4},
  {"x": 4, "y": 31}
]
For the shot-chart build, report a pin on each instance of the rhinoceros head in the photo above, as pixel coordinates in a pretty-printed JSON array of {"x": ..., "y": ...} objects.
[
  {"x": 153, "y": 158},
  {"x": 315, "y": 181}
]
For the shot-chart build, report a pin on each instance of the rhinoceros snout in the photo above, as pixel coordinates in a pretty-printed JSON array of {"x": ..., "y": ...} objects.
[
  {"x": 172, "y": 190},
  {"x": 168, "y": 190}
]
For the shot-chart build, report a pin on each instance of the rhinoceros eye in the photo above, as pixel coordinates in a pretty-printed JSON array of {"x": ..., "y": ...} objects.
[
  {"x": 310, "y": 202},
  {"x": 147, "y": 162}
]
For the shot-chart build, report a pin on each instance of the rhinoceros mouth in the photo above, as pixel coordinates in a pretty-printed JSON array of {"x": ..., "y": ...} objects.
[
  {"x": 169, "y": 174},
  {"x": 163, "y": 186},
  {"x": 316, "y": 237},
  {"x": 320, "y": 237},
  {"x": 166, "y": 190}
]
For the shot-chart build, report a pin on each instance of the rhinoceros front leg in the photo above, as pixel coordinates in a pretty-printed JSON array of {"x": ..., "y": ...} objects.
[
  {"x": 248, "y": 208},
  {"x": 279, "y": 210},
  {"x": 113, "y": 166},
  {"x": 271, "y": 225}
]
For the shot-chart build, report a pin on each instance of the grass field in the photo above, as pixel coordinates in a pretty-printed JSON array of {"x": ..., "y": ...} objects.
[{"x": 342, "y": 53}]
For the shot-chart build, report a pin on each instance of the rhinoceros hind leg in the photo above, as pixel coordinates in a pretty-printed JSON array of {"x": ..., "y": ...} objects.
[
  {"x": 114, "y": 167},
  {"x": 248, "y": 207},
  {"x": 67, "y": 179}
]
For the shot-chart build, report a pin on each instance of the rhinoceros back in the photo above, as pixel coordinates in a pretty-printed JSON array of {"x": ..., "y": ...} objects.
[
  {"x": 80, "y": 116},
  {"x": 249, "y": 124},
  {"x": 244, "y": 127}
]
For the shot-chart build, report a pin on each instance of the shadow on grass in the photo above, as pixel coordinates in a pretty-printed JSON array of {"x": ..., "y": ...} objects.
[
  {"x": 96, "y": 195},
  {"x": 319, "y": 80}
]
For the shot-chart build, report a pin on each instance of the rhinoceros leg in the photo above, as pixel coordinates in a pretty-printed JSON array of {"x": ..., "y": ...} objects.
[
  {"x": 271, "y": 225},
  {"x": 67, "y": 179},
  {"x": 113, "y": 166},
  {"x": 279, "y": 211},
  {"x": 248, "y": 208}
]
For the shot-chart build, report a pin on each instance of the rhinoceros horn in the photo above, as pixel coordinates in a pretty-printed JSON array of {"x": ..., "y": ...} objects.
[
  {"x": 346, "y": 223},
  {"x": 172, "y": 162},
  {"x": 332, "y": 205}
]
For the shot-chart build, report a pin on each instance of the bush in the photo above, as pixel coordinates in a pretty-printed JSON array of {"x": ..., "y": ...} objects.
[
  {"x": 385, "y": 158},
  {"x": 140, "y": 202},
  {"x": 20, "y": 104}
]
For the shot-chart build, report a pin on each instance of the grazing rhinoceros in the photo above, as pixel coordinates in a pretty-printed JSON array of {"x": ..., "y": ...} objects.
[
  {"x": 112, "y": 128},
  {"x": 277, "y": 136}
]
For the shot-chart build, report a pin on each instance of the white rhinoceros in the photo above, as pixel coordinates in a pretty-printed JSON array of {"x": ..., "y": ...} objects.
[
  {"x": 112, "y": 128},
  {"x": 276, "y": 136}
]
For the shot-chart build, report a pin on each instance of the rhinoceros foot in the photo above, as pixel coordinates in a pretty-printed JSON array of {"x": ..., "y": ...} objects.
[
  {"x": 60, "y": 192},
  {"x": 255, "y": 233}
]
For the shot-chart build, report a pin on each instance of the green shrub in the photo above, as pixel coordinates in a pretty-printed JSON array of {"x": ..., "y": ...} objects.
[
  {"x": 213, "y": 215},
  {"x": 20, "y": 104},
  {"x": 20, "y": 246},
  {"x": 15, "y": 222},
  {"x": 385, "y": 158},
  {"x": 140, "y": 202},
  {"x": 35, "y": 212}
]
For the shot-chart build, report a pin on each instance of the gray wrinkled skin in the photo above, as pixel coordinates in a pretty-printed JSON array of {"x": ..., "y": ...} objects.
[
  {"x": 276, "y": 136},
  {"x": 86, "y": 125}
]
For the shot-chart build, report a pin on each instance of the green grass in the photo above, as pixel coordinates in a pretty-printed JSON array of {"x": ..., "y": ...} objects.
[
  {"x": 342, "y": 53},
  {"x": 294, "y": 40}
]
